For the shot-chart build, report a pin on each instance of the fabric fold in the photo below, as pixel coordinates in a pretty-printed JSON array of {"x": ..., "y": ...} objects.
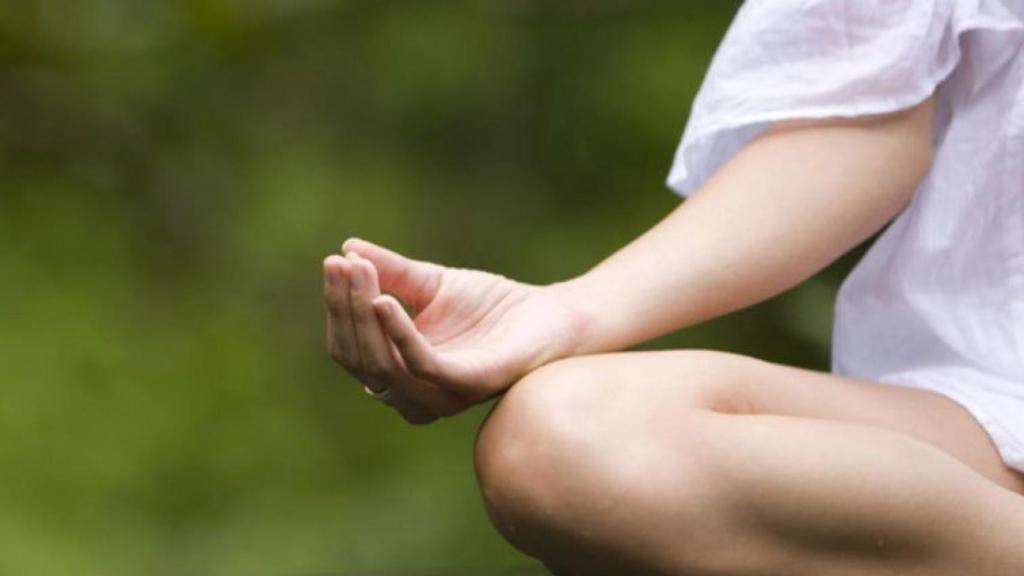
[{"x": 789, "y": 59}]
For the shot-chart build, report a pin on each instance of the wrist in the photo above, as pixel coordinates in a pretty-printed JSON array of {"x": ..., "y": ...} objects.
[{"x": 583, "y": 316}]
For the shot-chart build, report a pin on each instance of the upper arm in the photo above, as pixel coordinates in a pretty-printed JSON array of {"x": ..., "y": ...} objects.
[
  {"x": 876, "y": 162},
  {"x": 804, "y": 192}
]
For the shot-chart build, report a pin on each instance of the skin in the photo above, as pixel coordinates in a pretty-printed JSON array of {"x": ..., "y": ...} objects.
[{"x": 692, "y": 462}]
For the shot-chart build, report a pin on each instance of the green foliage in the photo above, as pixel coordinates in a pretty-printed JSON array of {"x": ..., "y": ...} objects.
[{"x": 173, "y": 174}]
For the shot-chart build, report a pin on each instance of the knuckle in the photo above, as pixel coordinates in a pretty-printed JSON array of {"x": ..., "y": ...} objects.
[
  {"x": 414, "y": 412},
  {"x": 448, "y": 409},
  {"x": 418, "y": 419},
  {"x": 435, "y": 400},
  {"x": 334, "y": 305}
]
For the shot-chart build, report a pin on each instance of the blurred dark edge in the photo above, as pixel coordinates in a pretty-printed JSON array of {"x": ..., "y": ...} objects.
[{"x": 518, "y": 572}]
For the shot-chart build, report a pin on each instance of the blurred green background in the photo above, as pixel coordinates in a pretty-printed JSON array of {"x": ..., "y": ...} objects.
[{"x": 174, "y": 172}]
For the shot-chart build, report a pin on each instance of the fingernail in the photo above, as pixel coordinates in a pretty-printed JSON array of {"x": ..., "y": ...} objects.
[
  {"x": 331, "y": 270},
  {"x": 347, "y": 243}
]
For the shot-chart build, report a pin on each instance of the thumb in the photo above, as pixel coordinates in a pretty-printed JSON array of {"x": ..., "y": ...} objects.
[{"x": 414, "y": 281}]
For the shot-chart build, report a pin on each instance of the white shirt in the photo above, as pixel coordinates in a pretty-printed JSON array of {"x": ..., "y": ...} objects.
[{"x": 938, "y": 301}]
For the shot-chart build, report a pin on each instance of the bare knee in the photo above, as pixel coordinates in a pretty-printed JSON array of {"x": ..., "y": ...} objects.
[
  {"x": 536, "y": 437},
  {"x": 567, "y": 464}
]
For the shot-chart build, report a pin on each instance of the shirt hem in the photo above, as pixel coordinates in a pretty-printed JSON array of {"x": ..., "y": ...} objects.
[{"x": 1011, "y": 450}]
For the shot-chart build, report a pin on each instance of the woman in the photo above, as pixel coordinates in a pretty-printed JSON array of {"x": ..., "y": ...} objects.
[{"x": 819, "y": 122}]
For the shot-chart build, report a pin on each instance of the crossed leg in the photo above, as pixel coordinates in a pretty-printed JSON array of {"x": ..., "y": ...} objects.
[{"x": 705, "y": 463}]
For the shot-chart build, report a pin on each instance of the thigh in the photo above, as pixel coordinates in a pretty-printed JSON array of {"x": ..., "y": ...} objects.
[
  {"x": 710, "y": 463},
  {"x": 731, "y": 383}
]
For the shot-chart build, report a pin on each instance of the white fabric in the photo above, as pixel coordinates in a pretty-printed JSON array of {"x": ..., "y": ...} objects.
[{"x": 938, "y": 301}]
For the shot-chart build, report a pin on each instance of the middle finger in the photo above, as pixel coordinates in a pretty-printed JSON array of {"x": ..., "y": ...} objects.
[{"x": 375, "y": 356}]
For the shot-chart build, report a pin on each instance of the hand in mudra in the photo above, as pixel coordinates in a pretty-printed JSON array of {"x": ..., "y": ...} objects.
[{"x": 470, "y": 336}]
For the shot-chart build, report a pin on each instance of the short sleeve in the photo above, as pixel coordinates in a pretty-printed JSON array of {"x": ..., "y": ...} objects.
[{"x": 789, "y": 59}]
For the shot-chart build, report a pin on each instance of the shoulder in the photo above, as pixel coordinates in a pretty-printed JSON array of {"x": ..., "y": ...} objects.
[{"x": 793, "y": 60}]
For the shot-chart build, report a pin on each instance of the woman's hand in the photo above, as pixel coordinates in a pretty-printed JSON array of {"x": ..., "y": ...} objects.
[{"x": 470, "y": 336}]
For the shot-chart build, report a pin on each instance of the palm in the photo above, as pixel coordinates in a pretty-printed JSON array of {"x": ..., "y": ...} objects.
[{"x": 493, "y": 329}]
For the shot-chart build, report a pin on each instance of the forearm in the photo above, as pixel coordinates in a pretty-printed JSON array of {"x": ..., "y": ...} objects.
[{"x": 786, "y": 206}]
